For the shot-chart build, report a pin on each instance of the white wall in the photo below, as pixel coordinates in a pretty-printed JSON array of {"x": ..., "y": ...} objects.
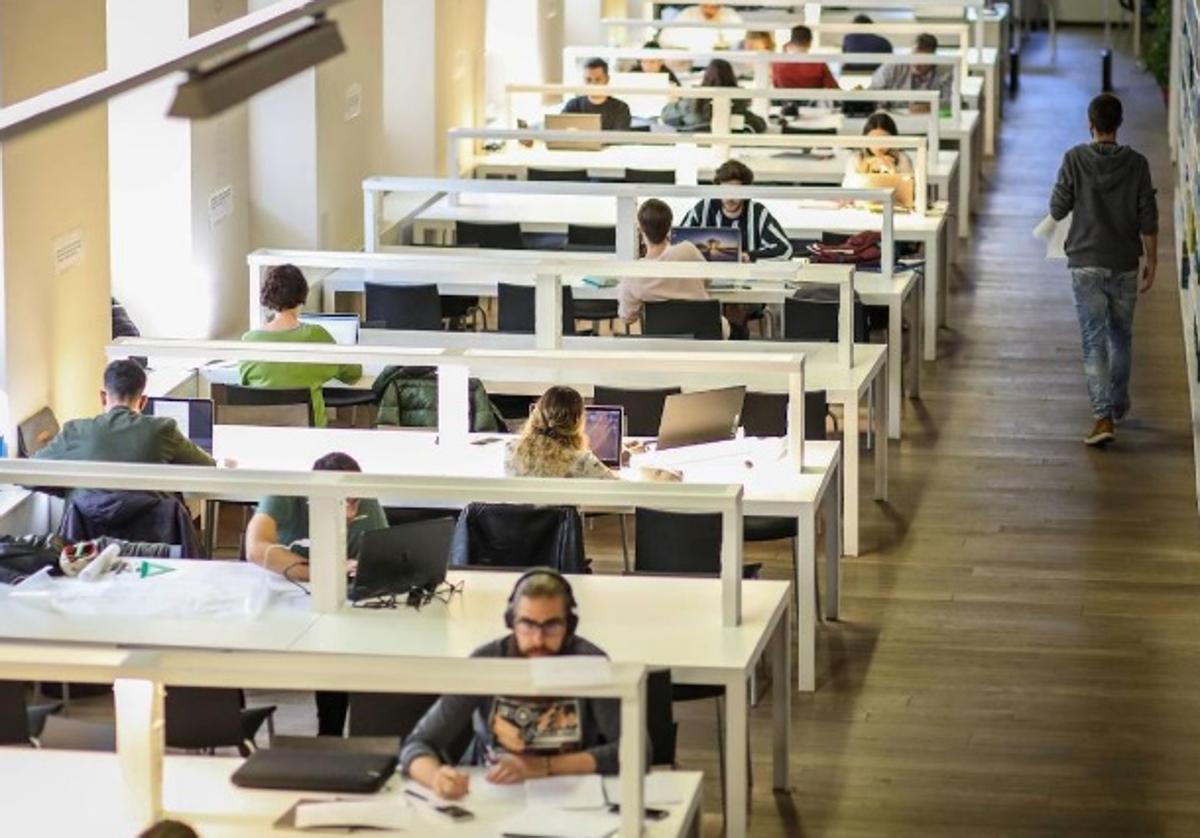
[{"x": 409, "y": 110}]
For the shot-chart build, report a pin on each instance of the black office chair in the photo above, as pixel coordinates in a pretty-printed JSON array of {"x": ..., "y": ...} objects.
[
  {"x": 14, "y": 720},
  {"x": 643, "y": 408},
  {"x": 395, "y": 715},
  {"x": 517, "y": 304},
  {"x": 649, "y": 176},
  {"x": 519, "y": 536},
  {"x": 796, "y": 128},
  {"x": 591, "y": 238},
  {"x": 818, "y": 321},
  {"x": 207, "y": 718},
  {"x": 497, "y": 236},
  {"x": 409, "y": 307},
  {"x": 699, "y": 319},
  {"x": 765, "y": 414},
  {"x": 575, "y": 175}
]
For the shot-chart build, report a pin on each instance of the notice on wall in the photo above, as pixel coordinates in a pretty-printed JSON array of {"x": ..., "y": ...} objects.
[
  {"x": 68, "y": 250},
  {"x": 220, "y": 205},
  {"x": 353, "y": 101}
]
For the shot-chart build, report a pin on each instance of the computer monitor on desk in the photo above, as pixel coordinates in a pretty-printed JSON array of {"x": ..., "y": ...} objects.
[
  {"x": 343, "y": 327},
  {"x": 194, "y": 417}
]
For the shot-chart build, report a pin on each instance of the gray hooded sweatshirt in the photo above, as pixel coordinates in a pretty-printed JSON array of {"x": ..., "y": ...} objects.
[{"x": 1108, "y": 188}]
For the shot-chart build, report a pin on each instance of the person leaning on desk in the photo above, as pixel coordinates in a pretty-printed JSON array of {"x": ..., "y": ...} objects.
[
  {"x": 697, "y": 114},
  {"x": 520, "y": 738},
  {"x": 284, "y": 291},
  {"x": 877, "y": 159}
]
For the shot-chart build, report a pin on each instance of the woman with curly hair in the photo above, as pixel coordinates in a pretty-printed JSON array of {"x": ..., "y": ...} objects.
[{"x": 552, "y": 442}]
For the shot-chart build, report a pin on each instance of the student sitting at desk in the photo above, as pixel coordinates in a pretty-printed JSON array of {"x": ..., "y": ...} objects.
[
  {"x": 122, "y": 433},
  {"x": 655, "y": 65},
  {"x": 917, "y": 76},
  {"x": 520, "y": 738},
  {"x": 860, "y": 42},
  {"x": 283, "y": 293},
  {"x": 552, "y": 441},
  {"x": 806, "y": 76},
  {"x": 277, "y": 539},
  {"x": 877, "y": 159},
  {"x": 614, "y": 114},
  {"x": 704, "y": 38},
  {"x": 763, "y": 236},
  {"x": 697, "y": 114},
  {"x": 654, "y": 220}
]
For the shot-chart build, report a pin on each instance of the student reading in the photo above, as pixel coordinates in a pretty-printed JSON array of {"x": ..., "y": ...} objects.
[{"x": 520, "y": 738}]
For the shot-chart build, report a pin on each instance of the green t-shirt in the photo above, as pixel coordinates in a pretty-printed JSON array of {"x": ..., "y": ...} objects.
[
  {"x": 283, "y": 375},
  {"x": 291, "y": 520}
]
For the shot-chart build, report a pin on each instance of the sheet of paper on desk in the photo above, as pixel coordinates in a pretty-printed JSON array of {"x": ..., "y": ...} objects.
[
  {"x": 383, "y": 813},
  {"x": 567, "y": 791},
  {"x": 177, "y": 411},
  {"x": 658, "y": 789},
  {"x": 547, "y": 823},
  {"x": 571, "y": 671}
]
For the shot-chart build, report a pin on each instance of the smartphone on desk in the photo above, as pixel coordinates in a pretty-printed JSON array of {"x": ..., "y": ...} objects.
[
  {"x": 455, "y": 813},
  {"x": 649, "y": 813}
]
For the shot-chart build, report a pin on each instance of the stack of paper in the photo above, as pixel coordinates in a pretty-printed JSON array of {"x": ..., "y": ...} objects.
[
  {"x": 377, "y": 813},
  {"x": 548, "y": 823},
  {"x": 578, "y": 791},
  {"x": 659, "y": 789}
]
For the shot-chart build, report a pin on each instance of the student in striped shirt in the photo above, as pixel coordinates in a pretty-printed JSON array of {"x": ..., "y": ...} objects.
[{"x": 762, "y": 235}]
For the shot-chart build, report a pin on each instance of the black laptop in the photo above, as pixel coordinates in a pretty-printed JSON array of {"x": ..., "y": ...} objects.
[
  {"x": 403, "y": 558},
  {"x": 304, "y": 769}
]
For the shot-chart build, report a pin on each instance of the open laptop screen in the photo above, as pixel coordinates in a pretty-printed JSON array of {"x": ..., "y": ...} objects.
[
  {"x": 194, "y": 417},
  {"x": 343, "y": 327},
  {"x": 716, "y": 244},
  {"x": 699, "y": 417},
  {"x": 604, "y": 426}
]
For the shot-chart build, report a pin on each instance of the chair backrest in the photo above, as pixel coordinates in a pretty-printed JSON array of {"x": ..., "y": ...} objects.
[
  {"x": 699, "y": 318},
  {"x": 14, "y": 720},
  {"x": 502, "y": 235},
  {"x": 796, "y": 128},
  {"x": 130, "y": 515},
  {"x": 410, "y": 307},
  {"x": 396, "y": 714},
  {"x": 660, "y": 717},
  {"x": 817, "y": 321},
  {"x": 517, "y": 304},
  {"x": 649, "y": 176},
  {"x": 765, "y": 414},
  {"x": 203, "y": 717},
  {"x": 273, "y": 407},
  {"x": 556, "y": 174},
  {"x": 592, "y": 238},
  {"x": 681, "y": 543},
  {"x": 519, "y": 536},
  {"x": 643, "y": 408}
]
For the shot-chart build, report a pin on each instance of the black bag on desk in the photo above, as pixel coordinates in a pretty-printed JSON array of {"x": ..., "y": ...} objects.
[
  {"x": 302, "y": 769},
  {"x": 22, "y": 556}
]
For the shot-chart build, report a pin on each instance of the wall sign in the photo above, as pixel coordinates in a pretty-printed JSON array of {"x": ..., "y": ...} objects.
[{"x": 68, "y": 250}]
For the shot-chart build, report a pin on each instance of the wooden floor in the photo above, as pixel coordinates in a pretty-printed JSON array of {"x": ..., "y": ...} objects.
[{"x": 1020, "y": 645}]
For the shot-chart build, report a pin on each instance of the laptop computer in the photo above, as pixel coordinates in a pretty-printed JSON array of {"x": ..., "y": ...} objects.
[
  {"x": 703, "y": 416},
  {"x": 35, "y": 433},
  {"x": 194, "y": 417},
  {"x": 604, "y": 426},
  {"x": 573, "y": 122},
  {"x": 343, "y": 327},
  {"x": 902, "y": 184},
  {"x": 305, "y": 769},
  {"x": 403, "y": 558},
  {"x": 716, "y": 244}
]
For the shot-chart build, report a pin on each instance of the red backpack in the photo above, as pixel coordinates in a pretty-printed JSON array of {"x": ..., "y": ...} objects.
[{"x": 861, "y": 248}]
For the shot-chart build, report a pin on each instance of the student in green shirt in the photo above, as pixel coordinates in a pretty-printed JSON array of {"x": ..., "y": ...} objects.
[
  {"x": 283, "y": 293},
  {"x": 280, "y": 522},
  {"x": 122, "y": 433}
]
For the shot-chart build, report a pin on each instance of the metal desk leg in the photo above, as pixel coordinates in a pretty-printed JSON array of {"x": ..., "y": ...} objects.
[
  {"x": 895, "y": 364},
  {"x": 937, "y": 264},
  {"x": 781, "y": 701},
  {"x": 881, "y": 450},
  {"x": 989, "y": 113},
  {"x": 966, "y": 184},
  {"x": 930, "y": 315},
  {"x": 850, "y": 476},
  {"x": 806, "y": 600},
  {"x": 833, "y": 546},
  {"x": 917, "y": 350},
  {"x": 737, "y": 751}
]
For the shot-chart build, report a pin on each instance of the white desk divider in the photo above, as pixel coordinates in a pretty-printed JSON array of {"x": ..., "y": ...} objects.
[
  {"x": 328, "y": 491},
  {"x": 547, "y": 271},
  {"x": 723, "y": 95},
  {"x": 140, "y": 679},
  {"x": 812, "y": 11},
  {"x": 574, "y": 56},
  {"x": 723, "y": 142},
  {"x": 626, "y": 195}
]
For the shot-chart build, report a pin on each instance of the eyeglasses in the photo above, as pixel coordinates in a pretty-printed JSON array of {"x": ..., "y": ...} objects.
[{"x": 550, "y": 628}]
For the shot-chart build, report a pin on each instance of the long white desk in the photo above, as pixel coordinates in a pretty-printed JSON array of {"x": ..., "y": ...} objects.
[
  {"x": 681, "y": 631},
  {"x": 198, "y": 791},
  {"x": 435, "y": 225}
]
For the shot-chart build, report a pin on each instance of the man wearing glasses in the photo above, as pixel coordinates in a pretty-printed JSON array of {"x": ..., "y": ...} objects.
[{"x": 519, "y": 738}]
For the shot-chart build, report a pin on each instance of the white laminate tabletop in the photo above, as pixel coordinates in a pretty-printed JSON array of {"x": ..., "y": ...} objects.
[{"x": 198, "y": 791}]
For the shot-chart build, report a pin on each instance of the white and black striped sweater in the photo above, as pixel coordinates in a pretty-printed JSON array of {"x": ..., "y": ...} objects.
[{"x": 762, "y": 235}]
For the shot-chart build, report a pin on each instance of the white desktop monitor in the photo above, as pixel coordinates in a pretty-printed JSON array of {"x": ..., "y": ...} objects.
[{"x": 343, "y": 327}]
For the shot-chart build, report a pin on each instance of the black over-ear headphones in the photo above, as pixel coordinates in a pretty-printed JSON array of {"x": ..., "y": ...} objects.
[{"x": 572, "y": 617}]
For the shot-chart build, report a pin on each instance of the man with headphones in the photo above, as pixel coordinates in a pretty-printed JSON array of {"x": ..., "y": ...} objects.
[{"x": 519, "y": 738}]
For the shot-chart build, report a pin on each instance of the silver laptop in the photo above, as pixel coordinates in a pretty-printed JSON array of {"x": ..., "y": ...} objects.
[
  {"x": 573, "y": 122},
  {"x": 704, "y": 416}
]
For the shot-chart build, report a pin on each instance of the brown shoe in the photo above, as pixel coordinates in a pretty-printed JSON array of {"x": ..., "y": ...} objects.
[{"x": 1102, "y": 434}]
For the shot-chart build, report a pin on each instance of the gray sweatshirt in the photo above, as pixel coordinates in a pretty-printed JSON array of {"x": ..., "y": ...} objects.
[
  {"x": 1108, "y": 188},
  {"x": 599, "y": 720}
]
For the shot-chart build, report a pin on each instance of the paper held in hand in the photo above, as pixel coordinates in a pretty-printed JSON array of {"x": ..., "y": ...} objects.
[{"x": 1054, "y": 233}]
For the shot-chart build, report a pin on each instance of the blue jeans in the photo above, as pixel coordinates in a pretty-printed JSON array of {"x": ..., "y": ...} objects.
[{"x": 1104, "y": 302}]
